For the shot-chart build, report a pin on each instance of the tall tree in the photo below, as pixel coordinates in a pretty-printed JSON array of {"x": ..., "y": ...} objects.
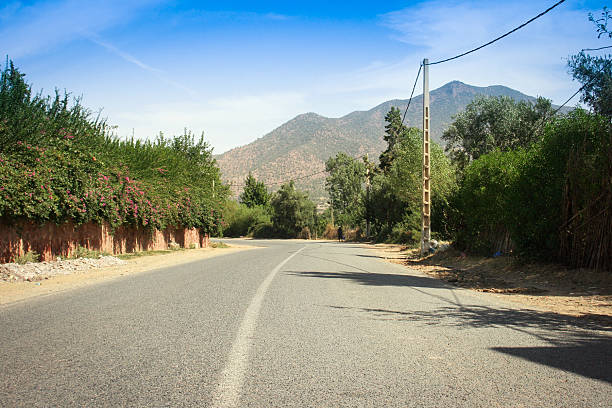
[
  {"x": 394, "y": 131},
  {"x": 595, "y": 73},
  {"x": 345, "y": 185},
  {"x": 293, "y": 210},
  {"x": 490, "y": 123},
  {"x": 254, "y": 193}
]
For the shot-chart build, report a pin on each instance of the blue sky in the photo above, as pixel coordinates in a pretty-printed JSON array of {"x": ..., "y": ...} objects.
[{"x": 236, "y": 70}]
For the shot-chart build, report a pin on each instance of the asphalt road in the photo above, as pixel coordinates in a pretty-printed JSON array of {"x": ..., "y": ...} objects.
[{"x": 295, "y": 323}]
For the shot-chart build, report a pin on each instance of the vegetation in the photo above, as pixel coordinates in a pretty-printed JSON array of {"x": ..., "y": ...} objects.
[
  {"x": 490, "y": 123},
  {"x": 345, "y": 185},
  {"x": 59, "y": 163},
  {"x": 301, "y": 146},
  {"x": 30, "y": 256},
  {"x": 255, "y": 193},
  {"x": 289, "y": 213},
  {"x": 293, "y": 213}
]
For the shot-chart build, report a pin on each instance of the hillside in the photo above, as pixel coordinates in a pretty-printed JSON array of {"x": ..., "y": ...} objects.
[{"x": 300, "y": 147}]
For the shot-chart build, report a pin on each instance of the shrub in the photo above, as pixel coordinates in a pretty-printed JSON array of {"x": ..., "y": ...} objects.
[
  {"x": 30, "y": 256},
  {"x": 486, "y": 201},
  {"x": 241, "y": 220},
  {"x": 330, "y": 232},
  {"x": 58, "y": 163}
]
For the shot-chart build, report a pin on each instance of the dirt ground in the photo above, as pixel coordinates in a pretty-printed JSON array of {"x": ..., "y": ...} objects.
[
  {"x": 546, "y": 287},
  {"x": 15, "y": 291}
]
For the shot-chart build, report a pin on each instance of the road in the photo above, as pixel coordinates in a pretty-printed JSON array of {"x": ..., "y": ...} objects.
[{"x": 295, "y": 323}]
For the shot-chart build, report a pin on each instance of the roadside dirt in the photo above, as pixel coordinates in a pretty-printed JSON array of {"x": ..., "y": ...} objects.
[
  {"x": 546, "y": 287},
  {"x": 15, "y": 291}
]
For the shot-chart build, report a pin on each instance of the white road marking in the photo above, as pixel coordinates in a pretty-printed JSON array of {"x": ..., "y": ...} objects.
[{"x": 232, "y": 378}]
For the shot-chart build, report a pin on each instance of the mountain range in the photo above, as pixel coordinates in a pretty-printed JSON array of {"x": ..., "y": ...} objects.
[{"x": 297, "y": 150}]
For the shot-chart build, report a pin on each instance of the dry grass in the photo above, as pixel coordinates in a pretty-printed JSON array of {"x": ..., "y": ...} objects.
[{"x": 552, "y": 287}]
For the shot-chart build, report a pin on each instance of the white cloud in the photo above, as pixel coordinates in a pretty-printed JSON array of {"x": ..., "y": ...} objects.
[{"x": 530, "y": 60}]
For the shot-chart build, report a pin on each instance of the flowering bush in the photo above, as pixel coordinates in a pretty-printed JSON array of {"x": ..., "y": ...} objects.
[{"x": 59, "y": 164}]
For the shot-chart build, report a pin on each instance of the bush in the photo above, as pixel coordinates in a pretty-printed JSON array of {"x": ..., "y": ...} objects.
[
  {"x": 304, "y": 233},
  {"x": 82, "y": 252},
  {"x": 265, "y": 230},
  {"x": 58, "y": 163},
  {"x": 565, "y": 194},
  {"x": 330, "y": 232},
  {"x": 241, "y": 220},
  {"x": 486, "y": 201},
  {"x": 30, "y": 256}
]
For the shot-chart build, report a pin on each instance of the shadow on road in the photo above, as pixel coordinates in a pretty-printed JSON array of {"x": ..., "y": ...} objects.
[
  {"x": 587, "y": 358},
  {"x": 374, "y": 279},
  {"x": 577, "y": 344}
]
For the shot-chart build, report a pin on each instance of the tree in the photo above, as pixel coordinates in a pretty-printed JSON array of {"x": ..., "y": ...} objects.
[
  {"x": 490, "y": 123},
  {"x": 254, "y": 193},
  {"x": 602, "y": 23},
  {"x": 394, "y": 131},
  {"x": 395, "y": 196},
  {"x": 595, "y": 73},
  {"x": 292, "y": 210},
  {"x": 345, "y": 185}
]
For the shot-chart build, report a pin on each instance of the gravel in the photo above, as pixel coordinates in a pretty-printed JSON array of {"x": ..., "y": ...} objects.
[{"x": 30, "y": 272}]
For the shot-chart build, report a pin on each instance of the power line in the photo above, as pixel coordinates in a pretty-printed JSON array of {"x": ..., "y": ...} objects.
[
  {"x": 500, "y": 37},
  {"x": 285, "y": 181},
  {"x": 297, "y": 178},
  {"x": 412, "y": 93},
  {"x": 545, "y": 119},
  {"x": 596, "y": 49}
]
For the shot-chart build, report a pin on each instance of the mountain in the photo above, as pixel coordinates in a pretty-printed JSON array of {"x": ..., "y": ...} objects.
[{"x": 300, "y": 147}]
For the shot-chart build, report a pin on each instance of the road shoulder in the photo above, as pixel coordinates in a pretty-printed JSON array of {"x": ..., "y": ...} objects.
[
  {"x": 547, "y": 288},
  {"x": 11, "y": 292}
]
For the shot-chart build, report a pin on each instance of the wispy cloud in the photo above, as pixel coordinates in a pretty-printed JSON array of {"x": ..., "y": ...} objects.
[
  {"x": 47, "y": 24},
  {"x": 230, "y": 15},
  {"x": 531, "y": 60},
  {"x": 124, "y": 55}
]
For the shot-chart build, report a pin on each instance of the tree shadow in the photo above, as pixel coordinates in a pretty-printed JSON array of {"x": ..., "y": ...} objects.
[
  {"x": 364, "y": 277},
  {"x": 587, "y": 358},
  {"x": 582, "y": 345}
]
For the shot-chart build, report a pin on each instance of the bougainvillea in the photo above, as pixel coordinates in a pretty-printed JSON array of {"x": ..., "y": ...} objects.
[{"x": 57, "y": 163}]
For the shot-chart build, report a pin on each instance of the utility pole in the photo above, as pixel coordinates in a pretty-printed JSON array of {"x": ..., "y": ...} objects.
[
  {"x": 426, "y": 209},
  {"x": 367, "y": 163}
]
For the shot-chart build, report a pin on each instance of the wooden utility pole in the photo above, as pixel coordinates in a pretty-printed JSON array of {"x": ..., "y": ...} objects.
[
  {"x": 426, "y": 209},
  {"x": 367, "y": 164}
]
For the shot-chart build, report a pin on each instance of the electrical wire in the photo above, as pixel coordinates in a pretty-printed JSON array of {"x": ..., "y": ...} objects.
[
  {"x": 545, "y": 118},
  {"x": 596, "y": 49},
  {"x": 500, "y": 37},
  {"x": 412, "y": 93},
  {"x": 285, "y": 181}
]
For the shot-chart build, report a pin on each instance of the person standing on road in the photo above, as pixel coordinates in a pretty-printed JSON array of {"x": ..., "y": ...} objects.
[{"x": 340, "y": 236}]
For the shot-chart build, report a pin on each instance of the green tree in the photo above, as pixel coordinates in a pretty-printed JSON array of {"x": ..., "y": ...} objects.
[
  {"x": 292, "y": 211},
  {"x": 602, "y": 23},
  {"x": 394, "y": 131},
  {"x": 595, "y": 73},
  {"x": 494, "y": 123},
  {"x": 254, "y": 193},
  {"x": 395, "y": 196},
  {"x": 345, "y": 185}
]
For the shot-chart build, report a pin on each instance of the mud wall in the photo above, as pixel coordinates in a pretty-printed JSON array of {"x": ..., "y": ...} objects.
[{"x": 51, "y": 240}]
